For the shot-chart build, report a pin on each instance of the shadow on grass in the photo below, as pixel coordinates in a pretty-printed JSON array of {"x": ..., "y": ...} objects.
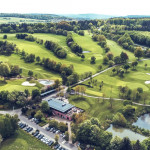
[
  {"x": 2, "y": 83},
  {"x": 79, "y": 98}
]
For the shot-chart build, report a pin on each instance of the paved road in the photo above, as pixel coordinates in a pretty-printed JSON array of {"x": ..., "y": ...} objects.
[
  {"x": 47, "y": 134},
  {"x": 117, "y": 99}
]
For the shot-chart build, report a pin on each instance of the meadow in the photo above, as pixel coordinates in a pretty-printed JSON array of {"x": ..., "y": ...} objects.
[
  {"x": 18, "y": 20},
  {"x": 23, "y": 141}
]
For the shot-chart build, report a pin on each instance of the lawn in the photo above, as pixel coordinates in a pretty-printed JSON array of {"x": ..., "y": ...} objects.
[
  {"x": 11, "y": 85},
  {"x": 23, "y": 141},
  {"x": 132, "y": 79},
  {"x": 95, "y": 108}
]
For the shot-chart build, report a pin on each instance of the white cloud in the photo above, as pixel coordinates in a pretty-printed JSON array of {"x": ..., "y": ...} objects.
[{"x": 111, "y": 7}]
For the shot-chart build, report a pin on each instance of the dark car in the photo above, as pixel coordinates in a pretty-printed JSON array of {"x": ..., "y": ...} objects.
[
  {"x": 30, "y": 117},
  {"x": 47, "y": 128},
  {"x": 50, "y": 143},
  {"x": 23, "y": 126},
  {"x": 56, "y": 146},
  {"x": 30, "y": 129}
]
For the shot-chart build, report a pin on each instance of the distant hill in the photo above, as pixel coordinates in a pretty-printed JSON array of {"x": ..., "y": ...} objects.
[
  {"x": 137, "y": 16},
  {"x": 33, "y": 16},
  {"x": 88, "y": 16}
]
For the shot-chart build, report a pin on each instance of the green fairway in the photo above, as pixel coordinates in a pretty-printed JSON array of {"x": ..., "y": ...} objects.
[
  {"x": 116, "y": 50},
  {"x": 41, "y": 73},
  {"x": 39, "y": 50},
  {"x": 88, "y": 44},
  {"x": 132, "y": 79},
  {"x": 23, "y": 141},
  {"x": 11, "y": 85}
]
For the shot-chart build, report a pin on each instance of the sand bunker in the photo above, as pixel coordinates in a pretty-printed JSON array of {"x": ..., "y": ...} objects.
[
  {"x": 148, "y": 73},
  {"x": 147, "y": 82},
  {"x": 26, "y": 83}
]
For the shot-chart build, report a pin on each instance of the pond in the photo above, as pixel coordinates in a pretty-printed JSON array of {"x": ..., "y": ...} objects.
[
  {"x": 85, "y": 52},
  {"x": 123, "y": 132},
  {"x": 46, "y": 82},
  {"x": 143, "y": 121}
]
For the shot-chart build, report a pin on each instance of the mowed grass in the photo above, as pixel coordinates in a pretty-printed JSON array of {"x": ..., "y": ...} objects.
[
  {"x": 40, "y": 50},
  {"x": 96, "y": 108},
  {"x": 23, "y": 141},
  {"x": 132, "y": 79},
  {"x": 41, "y": 73},
  {"x": 16, "y": 84},
  {"x": 88, "y": 44},
  {"x": 116, "y": 50}
]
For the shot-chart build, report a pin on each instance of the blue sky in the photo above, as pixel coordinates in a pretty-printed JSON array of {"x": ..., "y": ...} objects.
[{"x": 108, "y": 7}]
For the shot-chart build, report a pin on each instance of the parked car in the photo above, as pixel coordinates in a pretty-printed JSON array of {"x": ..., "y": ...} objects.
[
  {"x": 47, "y": 128},
  {"x": 56, "y": 146},
  {"x": 58, "y": 131}
]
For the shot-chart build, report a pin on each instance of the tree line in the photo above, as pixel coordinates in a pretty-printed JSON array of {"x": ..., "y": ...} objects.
[
  {"x": 7, "y": 48},
  {"x": 75, "y": 48}
]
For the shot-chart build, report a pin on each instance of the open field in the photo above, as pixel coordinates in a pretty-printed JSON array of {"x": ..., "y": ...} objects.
[
  {"x": 23, "y": 141},
  {"x": 18, "y": 20},
  {"x": 132, "y": 79}
]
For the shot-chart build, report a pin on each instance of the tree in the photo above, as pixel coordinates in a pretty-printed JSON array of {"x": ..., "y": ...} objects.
[
  {"x": 30, "y": 73},
  {"x": 35, "y": 93},
  {"x": 121, "y": 71},
  {"x": 4, "y": 70},
  {"x": 73, "y": 136},
  {"x": 38, "y": 59},
  {"x": 128, "y": 110},
  {"x": 117, "y": 60},
  {"x": 137, "y": 146},
  {"x": 105, "y": 60},
  {"x": 119, "y": 120},
  {"x": 111, "y": 63},
  {"x": 126, "y": 144},
  {"x": 134, "y": 64},
  {"x": 126, "y": 67},
  {"x": 45, "y": 107},
  {"x": 110, "y": 55},
  {"x": 67, "y": 136},
  {"x": 53, "y": 123},
  {"x": 145, "y": 66},
  {"x": 124, "y": 57},
  {"x": 56, "y": 138},
  {"x": 39, "y": 115},
  {"x": 82, "y": 56},
  {"x": 138, "y": 52},
  {"x": 115, "y": 143},
  {"x": 100, "y": 67},
  {"x": 26, "y": 91},
  {"x": 5, "y": 36},
  {"x": 114, "y": 70},
  {"x": 93, "y": 58}
]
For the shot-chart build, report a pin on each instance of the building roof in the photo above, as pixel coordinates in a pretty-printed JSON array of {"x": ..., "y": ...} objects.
[
  {"x": 48, "y": 92},
  {"x": 59, "y": 105}
]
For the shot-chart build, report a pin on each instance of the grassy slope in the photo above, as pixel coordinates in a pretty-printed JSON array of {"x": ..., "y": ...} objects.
[
  {"x": 39, "y": 50},
  {"x": 116, "y": 49},
  {"x": 23, "y": 141},
  {"x": 133, "y": 80}
]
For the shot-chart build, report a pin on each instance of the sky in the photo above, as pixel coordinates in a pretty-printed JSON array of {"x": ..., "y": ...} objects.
[{"x": 107, "y": 7}]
